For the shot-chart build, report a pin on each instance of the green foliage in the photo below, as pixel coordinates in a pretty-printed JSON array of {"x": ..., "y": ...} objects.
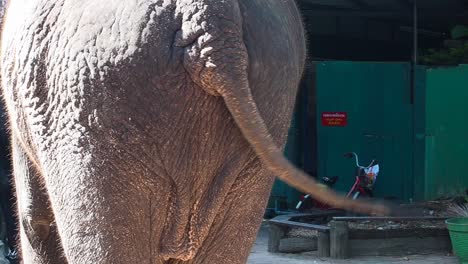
[
  {"x": 448, "y": 56},
  {"x": 459, "y": 32}
]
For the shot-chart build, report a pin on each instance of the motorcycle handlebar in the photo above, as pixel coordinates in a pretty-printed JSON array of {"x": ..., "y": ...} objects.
[{"x": 350, "y": 155}]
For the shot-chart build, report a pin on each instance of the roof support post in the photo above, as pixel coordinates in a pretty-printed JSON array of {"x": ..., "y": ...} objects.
[{"x": 415, "y": 32}]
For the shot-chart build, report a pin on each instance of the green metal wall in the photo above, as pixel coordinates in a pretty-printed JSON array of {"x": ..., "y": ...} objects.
[
  {"x": 442, "y": 131},
  {"x": 377, "y": 99},
  {"x": 420, "y": 140}
]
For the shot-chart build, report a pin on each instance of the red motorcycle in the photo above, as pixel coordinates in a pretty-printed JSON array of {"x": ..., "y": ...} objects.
[{"x": 362, "y": 187}]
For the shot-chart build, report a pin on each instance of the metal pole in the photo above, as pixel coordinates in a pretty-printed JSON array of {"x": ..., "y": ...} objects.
[
  {"x": 414, "y": 60},
  {"x": 415, "y": 32},
  {"x": 413, "y": 89}
]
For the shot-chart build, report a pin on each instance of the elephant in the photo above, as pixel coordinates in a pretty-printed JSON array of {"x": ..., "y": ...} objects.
[{"x": 150, "y": 131}]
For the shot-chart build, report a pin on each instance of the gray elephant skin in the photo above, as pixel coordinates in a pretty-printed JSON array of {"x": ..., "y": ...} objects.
[{"x": 149, "y": 131}]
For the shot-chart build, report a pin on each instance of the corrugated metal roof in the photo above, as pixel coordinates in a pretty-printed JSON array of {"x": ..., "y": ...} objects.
[
  {"x": 435, "y": 14},
  {"x": 387, "y": 5},
  {"x": 333, "y": 3}
]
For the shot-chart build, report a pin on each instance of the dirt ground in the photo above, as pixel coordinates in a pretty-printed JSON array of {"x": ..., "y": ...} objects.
[{"x": 260, "y": 255}]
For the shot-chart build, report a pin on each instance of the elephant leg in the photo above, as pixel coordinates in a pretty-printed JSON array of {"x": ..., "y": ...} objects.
[
  {"x": 39, "y": 240},
  {"x": 235, "y": 228},
  {"x": 108, "y": 210}
]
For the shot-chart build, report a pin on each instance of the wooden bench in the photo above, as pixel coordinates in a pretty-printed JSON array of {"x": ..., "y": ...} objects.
[
  {"x": 333, "y": 239},
  {"x": 340, "y": 238},
  {"x": 279, "y": 226}
]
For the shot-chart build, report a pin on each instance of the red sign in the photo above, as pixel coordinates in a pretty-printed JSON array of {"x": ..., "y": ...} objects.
[{"x": 334, "y": 118}]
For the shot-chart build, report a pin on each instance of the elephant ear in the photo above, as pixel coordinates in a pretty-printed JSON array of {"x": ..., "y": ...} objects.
[{"x": 217, "y": 60}]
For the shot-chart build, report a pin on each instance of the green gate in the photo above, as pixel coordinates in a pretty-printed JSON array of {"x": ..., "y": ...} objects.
[
  {"x": 441, "y": 131},
  {"x": 375, "y": 99}
]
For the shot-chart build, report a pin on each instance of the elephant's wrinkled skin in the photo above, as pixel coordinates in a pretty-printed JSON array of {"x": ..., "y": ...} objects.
[{"x": 127, "y": 113}]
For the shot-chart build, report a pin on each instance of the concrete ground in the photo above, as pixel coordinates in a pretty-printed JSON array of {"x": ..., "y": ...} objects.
[{"x": 260, "y": 255}]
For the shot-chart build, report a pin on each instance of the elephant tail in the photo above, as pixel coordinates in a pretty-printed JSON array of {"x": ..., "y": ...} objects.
[
  {"x": 217, "y": 59},
  {"x": 241, "y": 105}
]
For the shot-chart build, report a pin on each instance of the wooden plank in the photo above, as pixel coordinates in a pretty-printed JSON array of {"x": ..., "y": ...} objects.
[
  {"x": 275, "y": 235},
  {"x": 339, "y": 240},
  {"x": 297, "y": 245},
  {"x": 400, "y": 246},
  {"x": 323, "y": 245},
  {"x": 397, "y": 233},
  {"x": 321, "y": 228},
  {"x": 369, "y": 218}
]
